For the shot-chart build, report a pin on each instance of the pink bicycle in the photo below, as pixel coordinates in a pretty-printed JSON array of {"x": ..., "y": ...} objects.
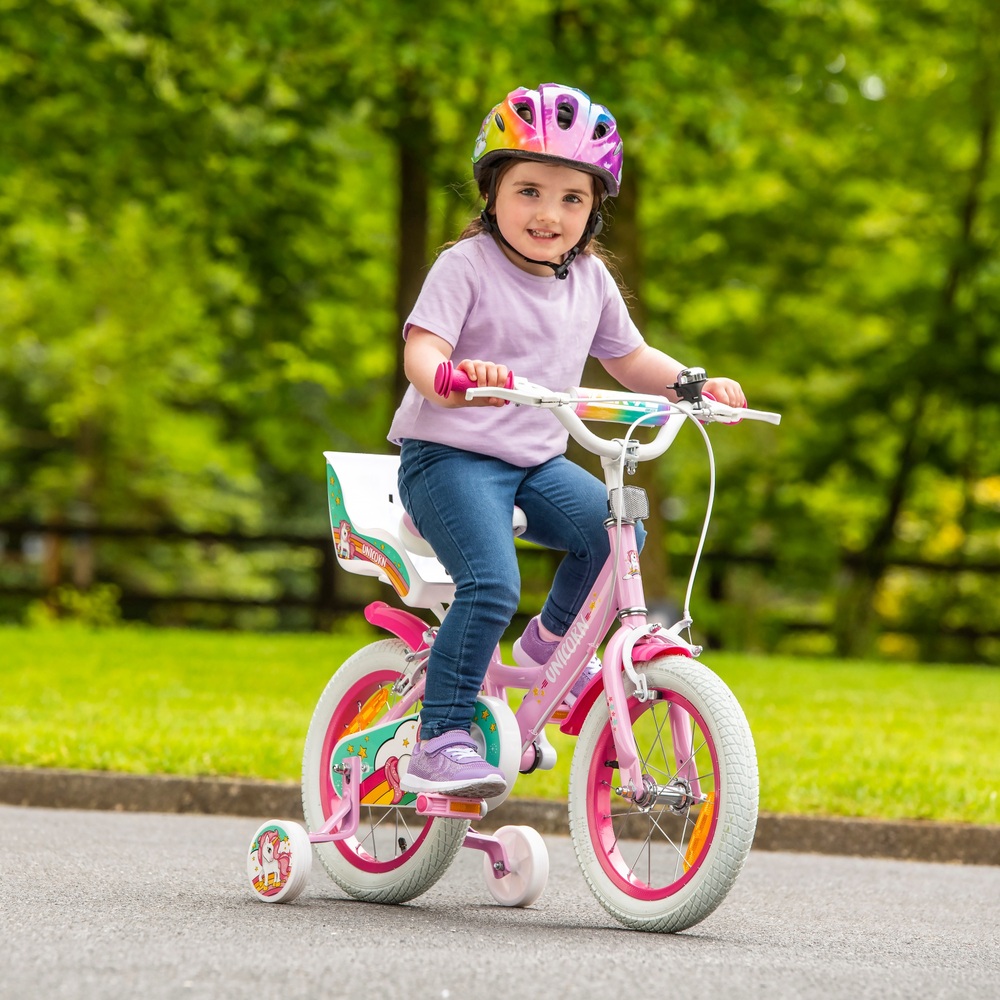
[{"x": 663, "y": 785}]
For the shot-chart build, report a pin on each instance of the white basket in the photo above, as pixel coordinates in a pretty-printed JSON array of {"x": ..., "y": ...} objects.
[{"x": 365, "y": 515}]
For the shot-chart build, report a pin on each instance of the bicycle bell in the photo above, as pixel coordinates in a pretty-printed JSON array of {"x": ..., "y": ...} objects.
[{"x": 689, "y": 384}]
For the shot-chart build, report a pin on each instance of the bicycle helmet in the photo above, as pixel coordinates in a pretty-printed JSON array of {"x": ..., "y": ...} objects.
[{"x": 554, "y": 124}]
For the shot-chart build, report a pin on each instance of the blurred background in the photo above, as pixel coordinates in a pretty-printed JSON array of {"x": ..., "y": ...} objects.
[{"x": 215, "y": 215}]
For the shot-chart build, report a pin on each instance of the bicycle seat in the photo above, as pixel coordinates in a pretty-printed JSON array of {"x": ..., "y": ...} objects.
[{"x": 415, "y": 542}]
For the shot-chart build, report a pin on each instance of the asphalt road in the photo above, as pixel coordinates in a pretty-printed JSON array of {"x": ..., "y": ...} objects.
[{"x": 99, "y": 904}]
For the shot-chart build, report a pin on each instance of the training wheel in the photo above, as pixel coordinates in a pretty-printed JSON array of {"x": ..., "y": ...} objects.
[
  {"x": 279, "y": 861},
  {"x": 529, "y": 863}
]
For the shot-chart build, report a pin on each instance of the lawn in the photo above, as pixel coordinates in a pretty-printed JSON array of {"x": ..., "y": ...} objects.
[{"x": 833, "y": 738}]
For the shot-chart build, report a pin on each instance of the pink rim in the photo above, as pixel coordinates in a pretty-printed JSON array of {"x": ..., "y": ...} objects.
[
  {"x": 351, "y": 848},
  {"x": 602, "y": 833}
]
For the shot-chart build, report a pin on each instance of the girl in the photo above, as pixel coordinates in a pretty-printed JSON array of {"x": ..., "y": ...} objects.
[{"x": 524, "y": 287}]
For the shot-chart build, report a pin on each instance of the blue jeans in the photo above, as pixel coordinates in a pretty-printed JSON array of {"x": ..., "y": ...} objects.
[{"x": 461, "y": 502}]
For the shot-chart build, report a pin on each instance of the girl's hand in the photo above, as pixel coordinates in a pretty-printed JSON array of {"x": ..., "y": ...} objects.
[
  {"x": 726, "y": 390},
  {"x": 484, "y": 374}
]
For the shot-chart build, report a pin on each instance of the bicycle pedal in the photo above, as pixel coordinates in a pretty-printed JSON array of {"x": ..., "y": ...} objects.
[{"x": 432, "y": 804}]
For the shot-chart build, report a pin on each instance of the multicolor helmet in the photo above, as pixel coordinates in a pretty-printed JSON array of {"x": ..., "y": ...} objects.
[{"x": 552, "y": 123}]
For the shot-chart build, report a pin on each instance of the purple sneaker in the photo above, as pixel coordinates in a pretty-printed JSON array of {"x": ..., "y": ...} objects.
[
  {"x": 590, "y": 671},
  {"x": 450, "y": 764},
  {"x": 531, "y": 650}
]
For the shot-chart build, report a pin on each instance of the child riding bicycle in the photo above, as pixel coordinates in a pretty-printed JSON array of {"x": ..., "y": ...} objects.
[{"x": 525, "y": 287}]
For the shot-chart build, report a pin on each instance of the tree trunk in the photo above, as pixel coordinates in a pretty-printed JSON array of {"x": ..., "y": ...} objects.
[{"x": 413, "y": 157}]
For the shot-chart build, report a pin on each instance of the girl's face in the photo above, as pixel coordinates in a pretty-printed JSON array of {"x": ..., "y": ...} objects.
[{"x": 542, "y": 210}]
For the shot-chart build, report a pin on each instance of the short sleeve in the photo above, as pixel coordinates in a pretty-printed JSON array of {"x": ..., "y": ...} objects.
[
  {"x": 447, "y": 297},
  {"x": 616, "y": 335}
]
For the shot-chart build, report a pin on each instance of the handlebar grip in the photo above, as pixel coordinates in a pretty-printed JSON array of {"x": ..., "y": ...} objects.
[{"x": 449, "y": 379}]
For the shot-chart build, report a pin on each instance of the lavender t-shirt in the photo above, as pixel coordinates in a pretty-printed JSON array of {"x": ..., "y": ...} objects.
[{"x": 542, "y": 328}]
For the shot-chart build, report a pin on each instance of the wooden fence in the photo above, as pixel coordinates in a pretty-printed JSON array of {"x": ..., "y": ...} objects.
[{"x": 38, "y": 558}]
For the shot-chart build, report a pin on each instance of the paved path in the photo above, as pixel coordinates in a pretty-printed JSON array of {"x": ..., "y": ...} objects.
[
  {"x": 918, "y": 841},
  {"x": 100, "y": 905}
]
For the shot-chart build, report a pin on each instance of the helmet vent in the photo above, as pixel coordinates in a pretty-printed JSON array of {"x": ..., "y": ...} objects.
[
  {"x": 564, "y": 115},
  {"x": 602, "y": 130},
  {"x": 523, "y": 110},
  {"x": 499, "y": 120}
]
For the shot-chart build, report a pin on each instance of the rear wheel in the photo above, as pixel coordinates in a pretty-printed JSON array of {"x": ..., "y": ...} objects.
[
  {"x": 665, "y": 861},
  {"x": 395, "y": 854}
]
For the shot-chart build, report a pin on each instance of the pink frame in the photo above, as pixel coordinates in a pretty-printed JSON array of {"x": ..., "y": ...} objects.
[{"x": 551, "y": 683}]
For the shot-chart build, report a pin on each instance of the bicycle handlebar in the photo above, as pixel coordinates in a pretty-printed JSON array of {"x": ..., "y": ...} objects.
[
  {"x": 571, "y": 408},
  {"x": 574, "y": 406}
]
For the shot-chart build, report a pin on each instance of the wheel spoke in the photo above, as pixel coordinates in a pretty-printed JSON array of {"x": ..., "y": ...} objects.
[
  {"x": 651, "y": 841},
  {"x": 660, "y": 723}
]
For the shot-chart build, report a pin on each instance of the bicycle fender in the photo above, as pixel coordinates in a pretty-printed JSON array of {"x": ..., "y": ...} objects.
[
  {"x": 573, "y": 722},
  {"x": 403, "y": 624}
]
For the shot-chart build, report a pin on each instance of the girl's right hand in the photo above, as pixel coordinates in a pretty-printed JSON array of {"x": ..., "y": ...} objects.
[
  {"x": 484, "y": 374},
  {"x": 426, "y": 353}
]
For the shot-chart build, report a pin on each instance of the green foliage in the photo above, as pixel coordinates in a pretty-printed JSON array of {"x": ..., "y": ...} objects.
[
  {"x": 96, "y": 607},
  {"x": 202, "y": 265}
]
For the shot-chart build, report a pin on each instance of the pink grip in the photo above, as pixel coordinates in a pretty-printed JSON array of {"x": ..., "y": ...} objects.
[{"x": 448, "y": 379}]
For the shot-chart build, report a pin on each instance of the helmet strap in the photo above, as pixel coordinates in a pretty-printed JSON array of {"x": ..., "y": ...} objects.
[{"x": 594, "y": 225}]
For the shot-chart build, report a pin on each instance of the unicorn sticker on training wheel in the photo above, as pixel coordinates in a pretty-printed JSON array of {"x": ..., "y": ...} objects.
[{"x": 270, "y": 861}]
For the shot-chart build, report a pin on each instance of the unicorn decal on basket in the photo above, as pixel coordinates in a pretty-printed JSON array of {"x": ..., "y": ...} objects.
[{"x": 344, "y": 540}]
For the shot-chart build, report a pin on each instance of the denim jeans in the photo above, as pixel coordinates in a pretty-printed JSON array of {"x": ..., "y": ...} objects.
[{"x": 462, "y": 502}]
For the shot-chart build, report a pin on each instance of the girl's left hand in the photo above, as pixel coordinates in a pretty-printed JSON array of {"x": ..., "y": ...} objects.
[{"x": 726, "y": 390}]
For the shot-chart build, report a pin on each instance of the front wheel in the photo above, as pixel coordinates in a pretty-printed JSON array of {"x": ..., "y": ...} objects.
[{"x": 665, "y": 859}]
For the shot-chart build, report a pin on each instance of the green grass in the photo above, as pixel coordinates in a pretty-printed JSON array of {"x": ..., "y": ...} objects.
[{"x": 833, "y": 738}]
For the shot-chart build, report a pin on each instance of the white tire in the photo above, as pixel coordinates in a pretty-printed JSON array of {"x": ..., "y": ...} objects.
[{"x": 667, "y": 866}]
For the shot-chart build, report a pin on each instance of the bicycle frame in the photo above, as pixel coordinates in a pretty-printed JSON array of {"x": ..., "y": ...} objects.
[{"x": 617, "y": 591}]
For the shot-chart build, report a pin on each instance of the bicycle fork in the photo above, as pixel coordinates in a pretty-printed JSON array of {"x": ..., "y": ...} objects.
[
  {"x": 637, "y": 786},
  {"x": 684, "y": 788}
]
